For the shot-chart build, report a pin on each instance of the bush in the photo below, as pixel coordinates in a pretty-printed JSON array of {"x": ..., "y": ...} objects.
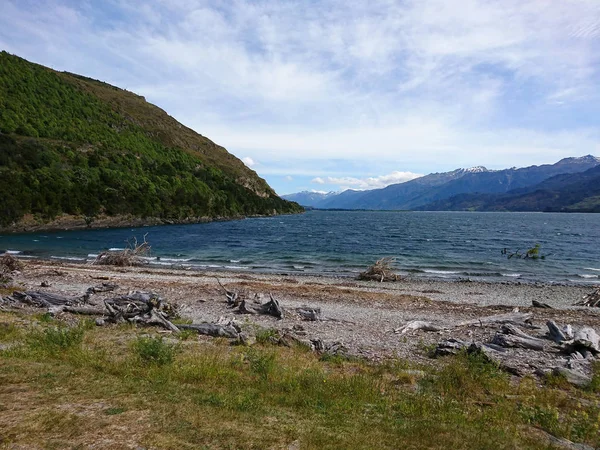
[
  {"x": 154, "y": 350},
  {"x": 56, "y": 339}
]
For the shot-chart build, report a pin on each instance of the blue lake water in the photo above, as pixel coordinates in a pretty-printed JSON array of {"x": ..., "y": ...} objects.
[{"x": 457, "y": 245}]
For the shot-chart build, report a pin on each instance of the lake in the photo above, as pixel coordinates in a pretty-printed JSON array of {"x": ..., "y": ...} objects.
[{"x": 452, "y": 245}]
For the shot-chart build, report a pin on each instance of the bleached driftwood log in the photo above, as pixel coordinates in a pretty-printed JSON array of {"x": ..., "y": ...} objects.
[
  {"x": 310, "y": 314},
  {"x": 511, "y": 336},
  {"x": 272, "y": 308},
  {"x": 45, "y": 299},
  {"x": 584, "y": 339},
  {"x": 418, "y": 325},
  {"x": 212, "y": 329},
  {"x": 233, "y": 298},
  {"x": 555, "y": 333},
  {"x": 516, "y": 318}
]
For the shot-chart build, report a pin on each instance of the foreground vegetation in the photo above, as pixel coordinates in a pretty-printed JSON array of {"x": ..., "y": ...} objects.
[
  {"x": 72, "y": 145},
  {"x": 68, "y": 385}
]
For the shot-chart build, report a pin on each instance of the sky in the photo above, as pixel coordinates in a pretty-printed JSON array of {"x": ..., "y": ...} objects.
[{"x": 329, "y": 95}]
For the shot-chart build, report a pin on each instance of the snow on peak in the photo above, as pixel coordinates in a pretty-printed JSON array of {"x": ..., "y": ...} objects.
[{"x": 476, "y": 169}]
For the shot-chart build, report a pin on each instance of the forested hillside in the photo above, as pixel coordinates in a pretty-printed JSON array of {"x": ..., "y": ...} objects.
[{"x": 72, "y": 145}]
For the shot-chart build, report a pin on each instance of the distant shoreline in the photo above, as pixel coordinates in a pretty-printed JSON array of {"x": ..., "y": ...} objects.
[{"x": 72, "y": 223}]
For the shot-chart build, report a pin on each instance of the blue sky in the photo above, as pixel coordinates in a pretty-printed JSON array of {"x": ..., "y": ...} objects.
[{"x": 327, "y": 95}]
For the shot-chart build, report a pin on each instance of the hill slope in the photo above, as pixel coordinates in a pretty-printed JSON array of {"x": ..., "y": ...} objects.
[{"x": 77, "y": 146}]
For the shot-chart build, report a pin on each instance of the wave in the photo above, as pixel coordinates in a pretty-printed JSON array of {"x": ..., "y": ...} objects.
[
  {"x": 515, "y": 275},
  {"x": 116, "y": 249},
  {"x": 591, "y": 268},
  {"x": 585, "y": 275},
  {"x": 440, "y": 272},
  {"x": 175, "y": 260},
  {"x": 68, "y": 258},
  {"x": 12, "y": 252}
]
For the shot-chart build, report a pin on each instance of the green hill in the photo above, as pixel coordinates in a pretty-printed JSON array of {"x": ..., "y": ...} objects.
[{"x": 70, "y": 145}]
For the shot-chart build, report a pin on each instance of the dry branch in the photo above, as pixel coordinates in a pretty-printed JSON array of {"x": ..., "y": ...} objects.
[
  {"x": 271, "y": 308},
  {"x": 591, "y": 299},
  {"x": 133, "y": 255},
  {"x": 380, "y": 271}
]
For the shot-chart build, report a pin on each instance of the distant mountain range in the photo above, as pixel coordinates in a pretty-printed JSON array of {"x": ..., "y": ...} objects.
[{"x": 571, "y": 184}]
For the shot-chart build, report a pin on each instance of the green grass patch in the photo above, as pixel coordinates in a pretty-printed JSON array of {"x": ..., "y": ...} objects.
[
  {"x": 154, "y": 350},
  {"x": 107, "y": 382}
]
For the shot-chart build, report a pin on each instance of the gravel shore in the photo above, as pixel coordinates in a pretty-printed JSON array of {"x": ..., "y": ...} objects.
[{"x": 361, "y": 315}]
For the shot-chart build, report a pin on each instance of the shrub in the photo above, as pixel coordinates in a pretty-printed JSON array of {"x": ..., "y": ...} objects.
[
  {"x": 154, "y": 350},
  {"x": 56, "y": 339}
]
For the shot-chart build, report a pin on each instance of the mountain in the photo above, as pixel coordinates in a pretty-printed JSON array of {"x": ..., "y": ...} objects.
[
  {"x": 309, "y": 198},
  {"x": 432, "y": 189},
  {"x": 574, "y": 192},
  {"x": 71, "y": 145}
]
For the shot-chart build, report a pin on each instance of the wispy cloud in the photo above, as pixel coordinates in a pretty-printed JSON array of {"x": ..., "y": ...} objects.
[
  {"x": 368, "y": 183},
  {"x": 413, "y": 85}
]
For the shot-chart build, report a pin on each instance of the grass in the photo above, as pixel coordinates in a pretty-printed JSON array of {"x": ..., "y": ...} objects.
[{"x": 119, "y": 387}]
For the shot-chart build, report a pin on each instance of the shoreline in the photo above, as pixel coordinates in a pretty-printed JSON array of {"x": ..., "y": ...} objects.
[
  {"x": 409, "y": 277},
  {"x": 72, "y": 223},
  {"x": 368, "y": 311}
]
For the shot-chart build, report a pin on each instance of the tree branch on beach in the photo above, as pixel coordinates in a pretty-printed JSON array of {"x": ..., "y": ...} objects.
[
  {"x": 133, "y": 255},
  {"x": 591, "y": 299},
  {"x": 380, "y": 271}
]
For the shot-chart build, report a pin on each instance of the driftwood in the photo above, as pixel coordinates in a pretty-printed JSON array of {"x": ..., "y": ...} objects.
[
  {"x": 515, "y": 318},
  {"x": 537, "y": 304},
  {"x": 45, "y": 299},
  {"x": 511, "y": 336},
  {"x": 591, "y": 299},
  {"x": 310, "y": 314},
  {"x": 84, "y": 310},
  {"x": 328, "y": 348},
  {"x": 271, "y": 308},
  {"x": 418, "y": 325},
  {"x": 555, "y": 333},
  {"x": 104, "y": 287},
  {"x": 449, "y": 347},
  {"x": 212, "y": 329},
  {"x": 586, "y": 338},
  {"x": 380, "y": 271},
  {"x": 521, "y": 319},
  {"x": 233, "y": 298}
]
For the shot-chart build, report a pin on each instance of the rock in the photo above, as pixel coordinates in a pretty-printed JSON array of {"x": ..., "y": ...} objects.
[
  {"x": 449, "y": 347},
  {"x": 100, "y": 322},
  {"x": 572, "y": 376}
]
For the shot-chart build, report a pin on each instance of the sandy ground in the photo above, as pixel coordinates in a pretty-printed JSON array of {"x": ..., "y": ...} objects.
[{"x": 364, "y": 314}]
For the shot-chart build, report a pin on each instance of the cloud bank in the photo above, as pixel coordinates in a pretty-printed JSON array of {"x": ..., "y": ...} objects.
[{"x": 342, "y": 89}]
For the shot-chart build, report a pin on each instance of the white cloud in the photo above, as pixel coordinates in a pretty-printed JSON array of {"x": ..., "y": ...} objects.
[
  {"x": 318, "y": 180},
  {"x": 417, "y": 84},
  {"x": 370, "y": 182},
  {"x": 289, "y": 178},
  {"x": 248, "y": 161}
]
